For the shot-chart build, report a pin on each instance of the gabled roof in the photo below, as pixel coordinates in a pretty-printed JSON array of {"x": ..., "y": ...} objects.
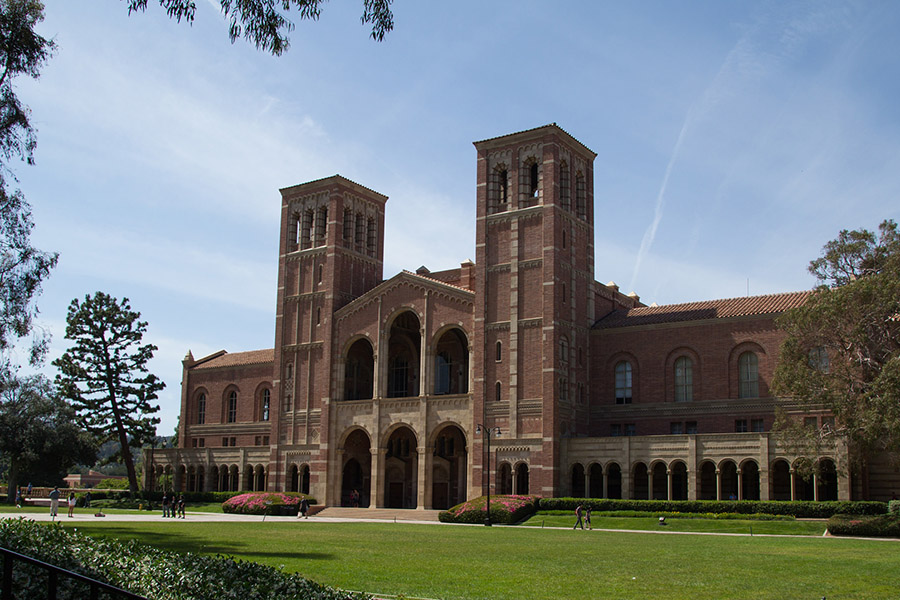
[
  {"x": 235, "y": 359},
  {"x": 708, "y": 309},
  {"x": 404, "y": 275},
  {"x": 535, "y": 130}
]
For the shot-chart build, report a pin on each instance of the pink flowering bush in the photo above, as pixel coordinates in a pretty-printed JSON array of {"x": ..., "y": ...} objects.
[
  {"x": 265, "y": 503},
  {"x": 504, "y": 509}
]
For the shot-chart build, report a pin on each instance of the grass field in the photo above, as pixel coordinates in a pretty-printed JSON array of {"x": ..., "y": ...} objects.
[
  {"x": 433, "y": 561},
  {"x": 756, "y": 527}
]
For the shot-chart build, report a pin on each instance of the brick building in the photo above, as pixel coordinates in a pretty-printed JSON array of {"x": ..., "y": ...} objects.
[{"x": 389, "y": 386}]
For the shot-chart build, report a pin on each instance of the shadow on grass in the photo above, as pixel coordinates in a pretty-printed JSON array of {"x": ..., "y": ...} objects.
[{"x": 184, "y": 542}]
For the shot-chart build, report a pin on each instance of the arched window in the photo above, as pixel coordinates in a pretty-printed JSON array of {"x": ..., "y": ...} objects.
[
  {"x": 265, "y": 405},
  {"x": 623, "y": 382},
  {"x": 684, "y": 379},
  {"x": 201, "y": 409},
  {"x": 499, "y": 351},
  {"x": 497, "y": 392},
  {"x": 563, "y": 349},
  {"x": 498, "y": 189},
  {"x": 289, "y": 371},
  {"x": 580, "y": 196},
  {"x": 748, "y": 373},
  {"x": 232, "y": 407},
  {"x": 321, "y": 225},
  {"x": 348, "y": 228},
  {"x": 533, "y": 180},
  {"x": 371, "y": 237},
  {"x": 306, "y": 230}
]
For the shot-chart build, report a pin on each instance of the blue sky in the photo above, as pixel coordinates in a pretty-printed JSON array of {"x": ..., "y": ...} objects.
[{"x": 733, "y": 138}]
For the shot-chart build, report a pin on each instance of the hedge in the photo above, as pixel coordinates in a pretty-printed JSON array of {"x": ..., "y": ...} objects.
[
  {"x": 799, "y": 509},
  {"x": 676, "y": 515},
  {"x": 504, "y": 510},
  {"x": 865, "y": 526},
  {"x": 894, "y": 507},
  {"x": 155, "y": 498},
  {"x": 265, "y": 503},
  {"x": 147, "y": 571}
]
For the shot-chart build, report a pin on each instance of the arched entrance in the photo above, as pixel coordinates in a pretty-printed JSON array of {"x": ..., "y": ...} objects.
[
  {"x": 729, "y": 477},
  {"x": 451, "y": 363},
  {"x": 304, "y": 482},
  {"x": 707, "y": 481},
  {"x": 660, "y": 482},
  {"x": 448, "y": 473},
  {"x": 781, "y": 480},
  {"x": 356, "y": 469},
  {"x": 827, "y": 479},
  {"x": 679, "y": 480},
  {"x": 359, "y": 368},
  {"x": 294, "y": 479},
  {"x": 639, "y": 484},
  {"x": 403, "y": 356},
  {"x": 401, "y": 469},
  {"x": 614, "y": 481},
  {"x": 595, "y": 478},
  {"x": 803, "y": 486},
  {"x": 521, "y": 479},
  {"x": 577, "y": 481},
  {"x": 504, "y": 479},
  {"x": 749, "y": 480}
]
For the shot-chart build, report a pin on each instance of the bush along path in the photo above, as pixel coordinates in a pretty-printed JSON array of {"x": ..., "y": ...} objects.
[{"x": 147, "y": 571}]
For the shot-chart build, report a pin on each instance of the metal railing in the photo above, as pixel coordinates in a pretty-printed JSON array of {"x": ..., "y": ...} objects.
[{"x": 53, "y": 575}]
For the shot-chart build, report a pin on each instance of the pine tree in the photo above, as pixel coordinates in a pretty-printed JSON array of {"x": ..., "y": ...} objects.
[{"x": 104, "y": 374}]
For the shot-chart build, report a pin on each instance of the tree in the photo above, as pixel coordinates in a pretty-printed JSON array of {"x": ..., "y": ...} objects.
[
  {"x": 261, "y": 21},
  {"x": 842, "y": 352},
  {"x": 22, "y": 267},
  {"x": 39, "y": 438},
  {"x": 105, "y": 374}
]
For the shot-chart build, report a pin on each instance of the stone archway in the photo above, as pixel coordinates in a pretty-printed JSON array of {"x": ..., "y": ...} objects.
[
  {"x": 614, "y": 481},
  {"x": 729, "y": 478},
  {"x": 707, "y": 482},
  {"x": 504, "y": 479},
  {"x": 640, "y": 487},
  {"x": 577, "y": 481},
  {"x": 448, "y": 468},
  {"x": 359, "y": 371},
  {"x": 595, "y": 481},
  {"x": 522, "y": 479},
  {"x": 451, "y": 363},
  {"x": 660, "y": 481},
  {"x": 679, "y": 480},
  {"x": 401, "y": 469},
  {"x": 827, "y": 480},
  {"x": 356, "y": 470},
  {"x": 404, "y": 346},
  {"x": 781, "y": 480},
  {"x": 749, "y": 480}
]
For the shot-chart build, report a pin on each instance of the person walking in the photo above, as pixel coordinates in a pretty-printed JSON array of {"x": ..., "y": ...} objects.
[
  {"x": 54, "y": 502},
  {"x": 587, "y": 517},
  {"x": 578, "y": 521},
  {"x": 165, "y": 504},
  {"x": 71, "y": 504},
  {"x": 304, "y": 508},
  {"x": 181, "y": 506},
  {"x": 18, "y": 497}
]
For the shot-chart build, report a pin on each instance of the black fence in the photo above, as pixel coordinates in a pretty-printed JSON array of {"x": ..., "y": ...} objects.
[{"x": 53, "y": 576}]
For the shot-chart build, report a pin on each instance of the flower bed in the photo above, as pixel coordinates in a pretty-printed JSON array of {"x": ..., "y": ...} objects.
[
  {"x": 865, "y": 526},
  {"x": 147, "y": 571},
  {"x": 265, "y": 503},
  {"x": 504, "y": 509}
]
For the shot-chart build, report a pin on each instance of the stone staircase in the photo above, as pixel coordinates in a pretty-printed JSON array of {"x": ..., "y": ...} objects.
[{"x": 381, "y": 514}]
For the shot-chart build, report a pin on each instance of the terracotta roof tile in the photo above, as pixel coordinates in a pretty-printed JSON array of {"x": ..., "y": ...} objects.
[
  {"x": 237, "y": 359},
  {"x": 708, "y": 309}
]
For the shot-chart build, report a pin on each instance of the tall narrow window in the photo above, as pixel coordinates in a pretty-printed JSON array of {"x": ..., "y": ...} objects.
[
  {"x": 266, "y": 403},
  {"x": 498, "y": 189},
  {"x": 321, "y": 225},
  {"x": 580, "y": 196},
  {"x": 565, "y": 188},
  {"x": 371, "y": 237},
  {"x": 444, "y": 365},
  {"x": 296, "y": 230},
  {"x": 533, "y": 180},
  {"x": 563, "y": 349},
  {"x": 348, "y": 228},
  {"x": 201, "y": 409},
  {"x": 623, "y": 382},
  {"x": 306, "y": 230},
  {"x": 499, "y": 351},
  {"x": 563, "y": 389},
  {"x": 684, "y": 379},
  {"x": 360, "y": 233},
  {"x": 232, "y": 407},
  {"x": 497, "y": 391},
  {"x": 748, "y": 372}
]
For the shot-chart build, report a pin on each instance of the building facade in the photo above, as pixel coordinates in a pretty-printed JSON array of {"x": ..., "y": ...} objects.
[{"x": 388, "y": 387}]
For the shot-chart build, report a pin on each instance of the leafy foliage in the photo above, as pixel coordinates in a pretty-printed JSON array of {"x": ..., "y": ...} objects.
[
  {"x": 144, "y": 570},
  {"x": 105, "y": 374},
  {"x": 504, "y": 509},
  {"x": 842, "y": 352},
  {"x": 263, "y": 21},
  {"x": 265, "y": 503},
  {"x": 39, "y": 439},
  {"x": 22, "y": 267},
  {"x": 865, "y": 526}
]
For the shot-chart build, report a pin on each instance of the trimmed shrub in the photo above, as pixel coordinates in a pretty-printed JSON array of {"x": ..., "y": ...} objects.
[
  {"x": 147, "y": 571},
  {"x": 504, "y": 510},
  {"x": 265, "y": 503},
  {"x": 113, "y": 484},
  {"x": 675, "y": 515},
  {"x": 894, "y": 507},
  {"x": 865, "y": 526},
  {"x": 802, "y": 509}
]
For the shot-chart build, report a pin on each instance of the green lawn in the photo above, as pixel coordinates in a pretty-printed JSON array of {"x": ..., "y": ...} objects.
[
  {"x": 802, "y": 527},
  {"x": 521, "y": 563}
]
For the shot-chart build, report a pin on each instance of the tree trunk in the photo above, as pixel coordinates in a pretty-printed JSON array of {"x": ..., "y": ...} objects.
[{"x": 12, "y": 482}]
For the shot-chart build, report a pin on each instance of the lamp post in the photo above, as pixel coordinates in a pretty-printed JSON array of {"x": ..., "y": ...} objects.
[{"x": 488, "y": 432}]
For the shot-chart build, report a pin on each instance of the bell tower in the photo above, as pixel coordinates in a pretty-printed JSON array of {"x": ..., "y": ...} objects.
[
  {"x": 331, "y": 251},
  {"x": 535, "y": 269}
]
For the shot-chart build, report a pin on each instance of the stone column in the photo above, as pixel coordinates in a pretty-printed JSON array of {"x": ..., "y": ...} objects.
[
  {"x": 423, "y": 496},
  {"x": 718, "y": 484},
  {"x": 740, "y": 484},
  {"x": 793, "y": 484},
  {"x": 605, "y": 492},
  {"x": 815, "y": 483},
  {"x": 588, "y": 492},
  {"x": 649, "y": 484},
  {"x": 376, "y": 497},
  {"x": 671, "y": 483}
]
